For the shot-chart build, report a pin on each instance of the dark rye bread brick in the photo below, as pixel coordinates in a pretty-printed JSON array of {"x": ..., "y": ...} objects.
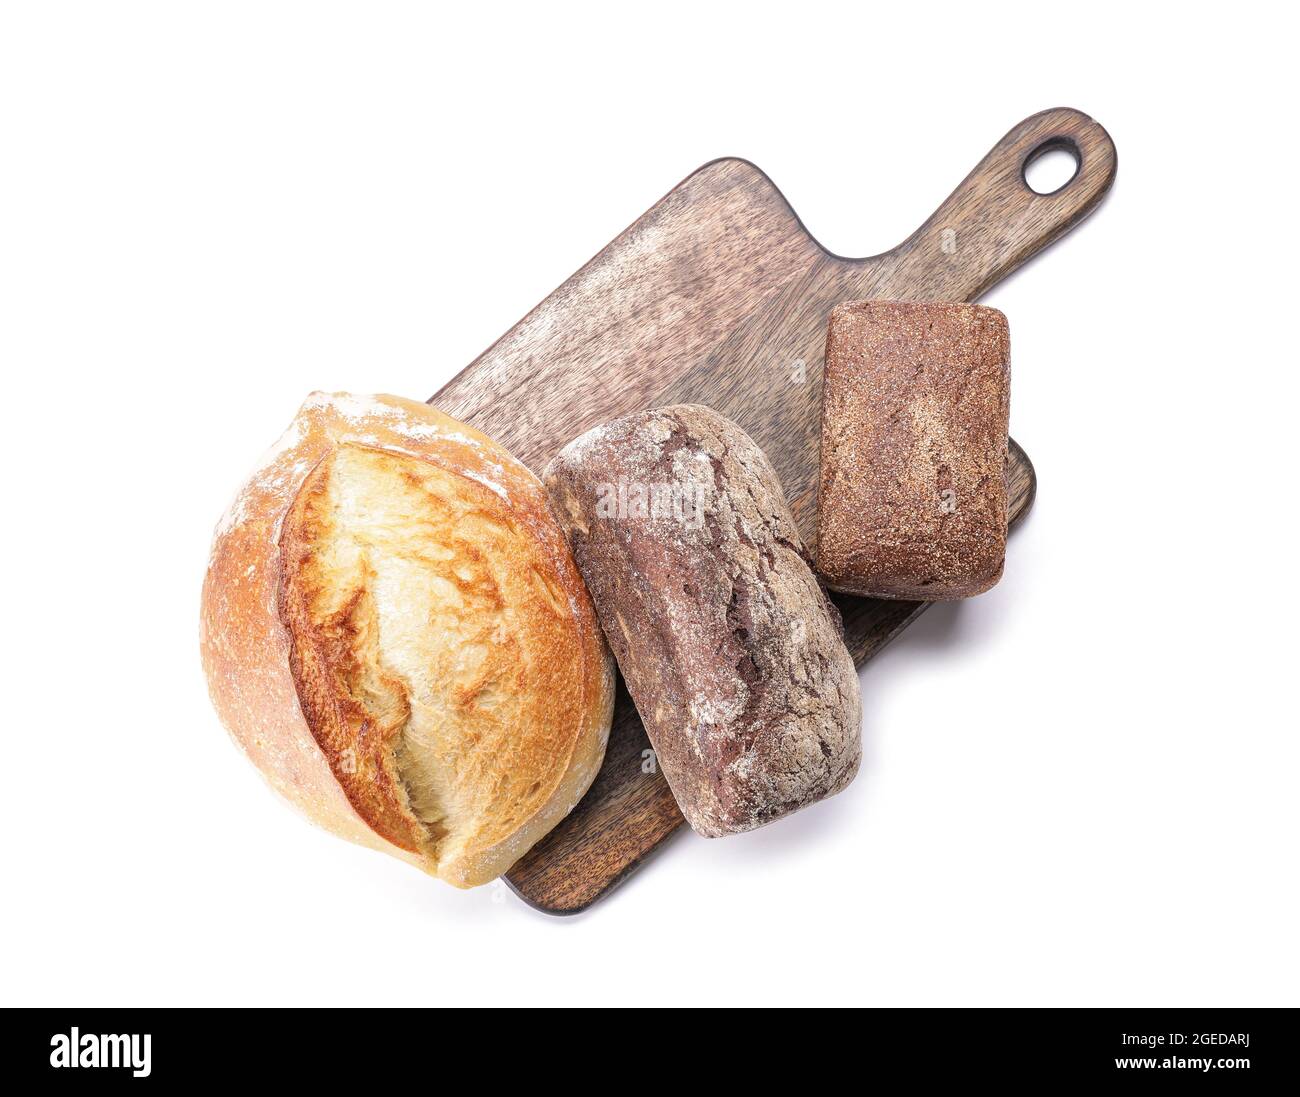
[
  {"x": 913, "y": 498},
  {"x": 729, "y": 646}
]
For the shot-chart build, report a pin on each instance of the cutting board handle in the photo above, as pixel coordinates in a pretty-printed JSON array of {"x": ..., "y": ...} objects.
[{"x": 994, "y": 221}]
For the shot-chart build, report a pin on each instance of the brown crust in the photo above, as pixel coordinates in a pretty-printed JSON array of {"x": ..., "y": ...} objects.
[
  {"x": 912, "y": 499},
  {"x": 729, "y": 646},
  {"x": 273, "y": 677}
]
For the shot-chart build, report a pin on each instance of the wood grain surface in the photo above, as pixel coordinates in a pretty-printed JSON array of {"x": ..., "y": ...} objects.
[{"x": 718, "y": 295}]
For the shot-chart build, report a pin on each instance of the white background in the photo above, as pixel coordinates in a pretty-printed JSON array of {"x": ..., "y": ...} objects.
[{"x": 1080, "y": 788}]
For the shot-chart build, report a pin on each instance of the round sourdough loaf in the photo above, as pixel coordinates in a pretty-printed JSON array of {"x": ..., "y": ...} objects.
[{"x": 394, "y": 632}]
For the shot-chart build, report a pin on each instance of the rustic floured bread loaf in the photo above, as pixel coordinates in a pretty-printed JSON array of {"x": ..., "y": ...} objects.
[
  {"x": 394, "y": 631},
  {"x": 730, "y": 648},
  {"x": 913, "y": 496}
]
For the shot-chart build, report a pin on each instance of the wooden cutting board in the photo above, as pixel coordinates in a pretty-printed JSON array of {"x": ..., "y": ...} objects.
[{"x": 718, "y": 295}]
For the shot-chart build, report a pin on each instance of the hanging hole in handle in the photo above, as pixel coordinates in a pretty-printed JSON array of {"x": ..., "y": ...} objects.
[{"x": 1052, "y": 166}]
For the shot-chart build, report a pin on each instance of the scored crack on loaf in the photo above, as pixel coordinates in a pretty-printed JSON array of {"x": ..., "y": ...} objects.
[
  {"x": 730, "y": 648},
  {"x": 395, "y": 633}
]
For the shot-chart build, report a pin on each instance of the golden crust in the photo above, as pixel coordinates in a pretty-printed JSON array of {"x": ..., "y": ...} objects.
[{"x": 394, "y": 632}]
